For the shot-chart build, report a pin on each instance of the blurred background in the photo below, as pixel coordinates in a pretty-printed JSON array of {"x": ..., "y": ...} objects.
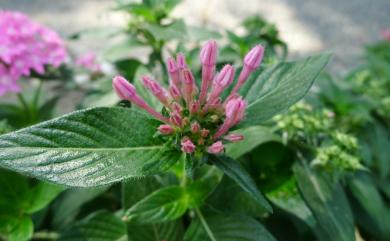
[{"x": 340, "y": 27}]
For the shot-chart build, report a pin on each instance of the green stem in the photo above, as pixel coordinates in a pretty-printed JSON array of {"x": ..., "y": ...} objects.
[
  {"x": 46, "y": 235},
  {"x": 205, "y": 225},
  {"x": 24, "y": 104}
]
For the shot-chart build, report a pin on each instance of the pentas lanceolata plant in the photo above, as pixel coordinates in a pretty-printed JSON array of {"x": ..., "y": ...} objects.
[
  {"x": 198, "y": 120},
  {"x": 26, "y": 46}
]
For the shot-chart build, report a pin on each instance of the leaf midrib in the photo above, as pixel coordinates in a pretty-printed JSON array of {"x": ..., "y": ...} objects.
[{"x": 83, "y": 149}]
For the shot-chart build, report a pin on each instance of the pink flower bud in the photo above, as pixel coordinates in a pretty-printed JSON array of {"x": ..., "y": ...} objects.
[
  {"x": 221, "y": 81},
  {"x": 187, "y": 146},
  {"x": 252, "y": 60},
  {"x": 254, "y": 57},
  {"x": 176, "y": 119},
  {"x": 216, "y": 148},
  {"x": 204, "y": 132},
  {"x": 208, "y": 58},
  {"x": 175, "y": 92},
  {"x": 156, "y": 89},
  {"x": 123, "y": 88},
  {"x": 181, "y": 61},
  {"x": 127, "y": 91},
  {"x": 173, "y": 71},
  {"x": 176, "y": 107},
  {"x": 235, "y": 110},
  {"x": 234, "y": 137},
  {"x": 194, "y": 107},
  {"x": 208, "y": 54},
  {"x": 165, "y": 129},
  {"x": 189, "y": 87},
  {"x": 195, "y": 127}
]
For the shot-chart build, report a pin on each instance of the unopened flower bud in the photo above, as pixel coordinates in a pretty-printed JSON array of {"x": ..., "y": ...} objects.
[
  {"x": 176, "y": 119},
  {"x": 187, "y": 146},
  {"x": 254, "y": 57},
  {"x": 127, "y": 91},
  {"x": 176, "y": 107},
  {"x": 216, "y": 148},
  {"x": 173, "y": 71},
  {"x": 208, "y": 58},
  {"x": 204, "y": 132},
  {"x": 181, "y": 61},
  {"x": 235, "y": 110},
  {"x": 194, "y": 107},
  {"x": 165, "y": 129},
  {"x": 175, "y": 92},
  {"x": 159, "y": 92},
  {"x": 195, "y": 127},
  {"x": 123, "y": 88},
  {"x": 252, "y": 60},
  {"x": 234, "y": 137}
]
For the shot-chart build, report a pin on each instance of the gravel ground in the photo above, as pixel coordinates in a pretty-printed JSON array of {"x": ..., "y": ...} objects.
[{"x": 308, "y": 26}]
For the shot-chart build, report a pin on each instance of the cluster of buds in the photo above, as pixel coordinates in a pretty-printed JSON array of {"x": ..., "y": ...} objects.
[{"x": 198, "y": 118}]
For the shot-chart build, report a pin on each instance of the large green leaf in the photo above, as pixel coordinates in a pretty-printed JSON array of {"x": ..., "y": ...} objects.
[
  {"x": 227, "y": 228},
  {"x": 16, "y": 228},
  {"x": 135, "y": 190},
  {"x": 102, "y": 226},
  {"x": 371, "y": 209},
  {"x": 253, "y": 136},
  {"x": 328, "y": 204},
  {"x": 88, "y": 148},
  {"x": 234, "y": 170},
  {"x": 167, "y": 204},
  {"x": 281, "y": 86},
  {"x": 68, "y": 205},
  {"x": 41, "y": 195}
]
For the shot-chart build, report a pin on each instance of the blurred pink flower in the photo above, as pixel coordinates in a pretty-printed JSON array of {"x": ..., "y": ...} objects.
[
  {"x": 386, "y": 34},
  {"x": 25, "y": 46},
  {"x": 89, "y": 61}
]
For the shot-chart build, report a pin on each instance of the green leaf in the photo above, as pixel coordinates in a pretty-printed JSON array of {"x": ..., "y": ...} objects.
[
  {"x": 17, "y": 228},
  {"x": 66, "y": 208},
  {"x": 134, "y": 191},
  {"x": 328, "y": 204},
  {"x": 86, "y": 148},
  {"x": 281, "y": 86},
  {"x": 176, "y": 30},
  {"x": 227, "y": 228},
  {"x": 102, "y": 226},
  {"x": 41, "y": 195},
  {"x": 253, "y": 136},
  {"x": 14, "y": 192},
  {"x": 234, "y": 170},
  {"x": 372, "y": 212},
  {"x": 166, "y": 204}
]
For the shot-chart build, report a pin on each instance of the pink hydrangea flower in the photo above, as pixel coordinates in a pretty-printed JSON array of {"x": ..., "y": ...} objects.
[
  {"x": 26, "y": 46},
  {"x": 200, "y": 120}
]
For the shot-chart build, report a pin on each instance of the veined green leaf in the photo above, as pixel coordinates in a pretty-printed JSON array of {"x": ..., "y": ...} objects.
[
  {"x": 234, "y": 170},
  {"x": 281, "y": 86},
  {"x": 88, "y": 148},
  {"x": 328, "y": 204},
  {"x": 227, "y": 228},
  {"x": 167, "y": 204},
  {"x": 102, "y": 225},
  {"x": 253, "y": 136}
]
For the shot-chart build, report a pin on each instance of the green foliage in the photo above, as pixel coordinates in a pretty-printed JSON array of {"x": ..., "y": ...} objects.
[
  {"x": 88, "y": 148},
  {"x": 280, "y": 87}
]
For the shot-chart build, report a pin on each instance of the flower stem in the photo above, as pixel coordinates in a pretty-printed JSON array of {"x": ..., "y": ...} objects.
[
  {"x": 45, "y": 235},
  {"x": 205, "y": 225},
  {"x": 23, "y": 102}
]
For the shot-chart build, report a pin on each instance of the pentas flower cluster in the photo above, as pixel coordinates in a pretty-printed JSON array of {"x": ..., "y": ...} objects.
[
  {"x": 25, "y": 46},
  {"x": 199, "y": 119}
]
